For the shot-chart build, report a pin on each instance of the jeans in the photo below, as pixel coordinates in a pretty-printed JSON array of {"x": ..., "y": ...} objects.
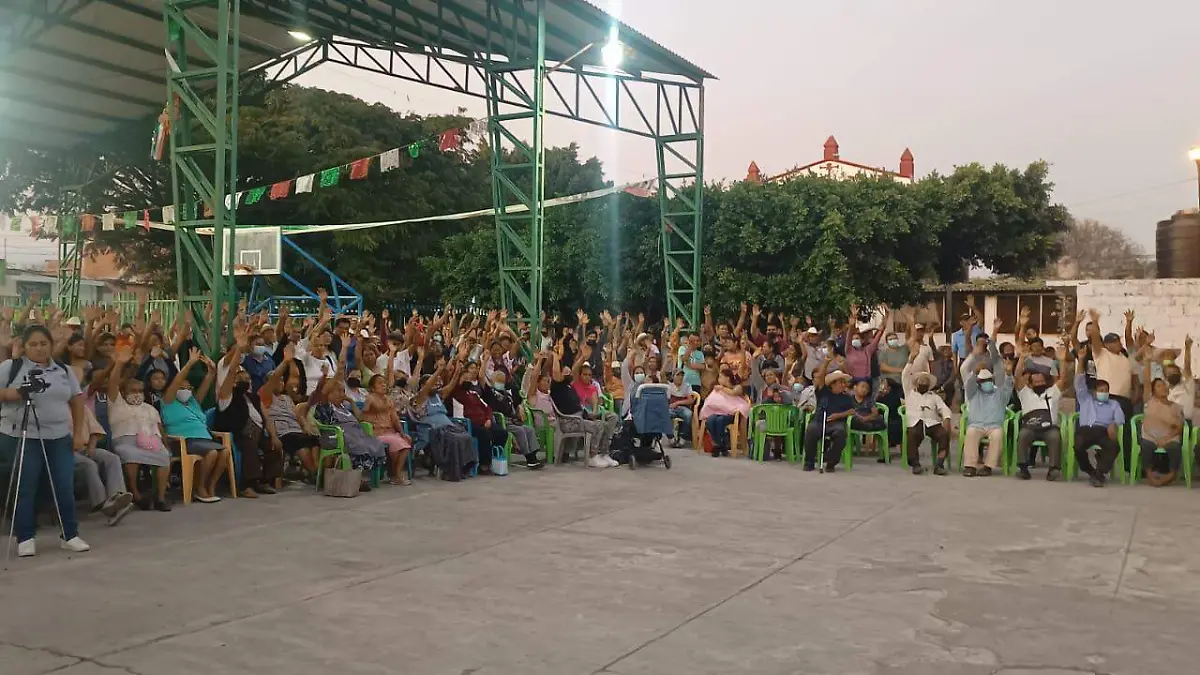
[
  {"x": 684, "y": 415},
  {"x": 835, "y": 441},
  {"x": 1106, "y": 453},
  {"x": 1173, "y": 459},
  {"x": 718, "y": 428},
  {"x": 104, "y": 476},
  {"x": 61, "y": 455},
  {"x": 525, "y": 439}
]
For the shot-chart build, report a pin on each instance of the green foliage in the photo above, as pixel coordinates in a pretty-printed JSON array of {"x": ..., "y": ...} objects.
[{"x": 810, "y": 245}]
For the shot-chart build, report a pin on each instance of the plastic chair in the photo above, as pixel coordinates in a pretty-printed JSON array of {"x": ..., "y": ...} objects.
[
  {"x": 475, "y": 443},
  {"x": 187, "y": 461},
  {"x": 235, "y": 454},
  {"x": 1187, "y": 450},
  {"x": 560, "y": 438},
  {"x": 607, "y": 403},
  {"x": 1069, "y": 423},
  {"x": 1006, "y": 460},
  {"x": 781, "y": 421},
  {"x": 904, "y": 443},
  {"x": 339, "y": 451},
  {"x": 499, "y": 419},
  {"x": 857, "y": 438},
  {"x": 1012, "y": 455},
  {"x": 847, "y": 450},
  {"x": 543, "y": 428}
]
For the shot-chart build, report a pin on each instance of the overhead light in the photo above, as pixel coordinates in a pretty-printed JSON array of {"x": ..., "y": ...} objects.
[
  {"x": 1194, "y": 154},
  {"x": 300, "y": 35},
  {"x": 612, "y": 54}
]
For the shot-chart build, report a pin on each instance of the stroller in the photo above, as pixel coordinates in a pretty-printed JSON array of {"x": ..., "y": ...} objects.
[{"x": 640, "y": 440}]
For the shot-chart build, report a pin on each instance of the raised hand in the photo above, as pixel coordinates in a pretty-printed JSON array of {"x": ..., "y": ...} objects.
[
  {"x": 1187, "y": 342},
  {"x": 1129, "y": 315},
  {"x": 708, "y": 309},
  {"x": 997, "y": 324},
  {"x": 194, "y": 355},
  {"x": 289, "y": 352},
  {"x": 679, "y": 322},
  {"x": 1094, "y": 315},
  {"x": 756, "y": 310},
  {"x": 1025, "y": 312}
]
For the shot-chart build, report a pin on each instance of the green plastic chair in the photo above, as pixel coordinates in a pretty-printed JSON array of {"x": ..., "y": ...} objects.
[
  {"x": 607, "y": 403},
  {"x": 847, "y": 449},
  {"x": 1012, "y": 455},
  {"x": 1007, "y": 465},
  {"x": 1069, "y": 422},
  {"x": 543, "y": 428},
  {"x": 1187, "y": 445},
  {"x": 904, "y": 444},
  {"x": 782, "y": 421},
  {"x": 857, "y": 439},
  {"x": 508, "y": 443},
  {"x": 339, "y": 451}
]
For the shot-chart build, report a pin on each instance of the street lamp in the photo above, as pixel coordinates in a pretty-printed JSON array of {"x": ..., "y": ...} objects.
[{"x": 1194, "y": 155}]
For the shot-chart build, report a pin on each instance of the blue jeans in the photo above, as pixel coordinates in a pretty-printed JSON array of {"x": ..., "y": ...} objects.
[
  {"x": 684, "y": 414},
  {"x": 718, "y": 428},
  {"x": 62, "y": 475}
]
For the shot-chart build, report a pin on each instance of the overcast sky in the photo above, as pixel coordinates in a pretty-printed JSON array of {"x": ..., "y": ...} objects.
[{"x": 1107, "y": 92}]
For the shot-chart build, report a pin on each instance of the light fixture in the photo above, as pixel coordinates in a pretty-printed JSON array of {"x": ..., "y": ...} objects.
[
  {"x": 612, "y": 54},
  {"x": 300, "y": 35},
  {"x": 1194, "y": 154}
]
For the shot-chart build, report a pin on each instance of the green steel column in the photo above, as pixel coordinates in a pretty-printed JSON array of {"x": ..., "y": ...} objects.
[
  {"x": 70, "y": 260},
  {"x": 203, "y": 155},
  {"x": 681, "y": 203},
  {"x": 519, "y": 174}
]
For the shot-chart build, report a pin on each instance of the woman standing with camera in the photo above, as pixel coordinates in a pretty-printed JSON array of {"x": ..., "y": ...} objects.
[{"x": 56, "y": 422}]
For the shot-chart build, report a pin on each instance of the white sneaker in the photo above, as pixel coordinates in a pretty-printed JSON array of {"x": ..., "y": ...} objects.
[
  {"x": 75, "y": 545},
  {"x": 611, "y": 461},
  {"x": 597, "y": 462},
  {"x": 27, "y": 548}
]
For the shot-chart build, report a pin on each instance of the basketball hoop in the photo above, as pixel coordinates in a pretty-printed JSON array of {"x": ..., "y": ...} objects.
[
  {"x": 256, "y": 252},
  {"x": 243, "y": 269}
]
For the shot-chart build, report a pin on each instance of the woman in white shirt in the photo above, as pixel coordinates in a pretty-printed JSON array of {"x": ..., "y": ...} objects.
[{"x": 137, "y": 434}]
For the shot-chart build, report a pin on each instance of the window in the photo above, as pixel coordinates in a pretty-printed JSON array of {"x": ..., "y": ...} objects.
[{"x": 1007, "y": 309}]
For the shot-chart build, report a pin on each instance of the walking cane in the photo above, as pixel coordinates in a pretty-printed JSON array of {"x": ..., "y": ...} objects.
[{"x": 821, "y": 454}]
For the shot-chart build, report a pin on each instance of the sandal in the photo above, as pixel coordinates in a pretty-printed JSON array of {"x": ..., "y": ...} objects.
[{"x": 400, "y": 481}]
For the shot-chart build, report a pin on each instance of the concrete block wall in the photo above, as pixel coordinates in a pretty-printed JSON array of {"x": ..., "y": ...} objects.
[{"x": 1168, "y": 307}]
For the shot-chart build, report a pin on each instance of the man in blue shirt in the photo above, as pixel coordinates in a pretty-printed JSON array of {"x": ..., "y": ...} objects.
[
  {"x": 987, "y": 387},
  {"x": 1099, "y": 417},
  {"x": 958, "y": 339},
  {"x": 691, "y": 361}
]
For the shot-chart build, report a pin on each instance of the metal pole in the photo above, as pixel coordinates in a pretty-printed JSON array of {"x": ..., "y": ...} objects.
[{"x": 1198, "y": 185}]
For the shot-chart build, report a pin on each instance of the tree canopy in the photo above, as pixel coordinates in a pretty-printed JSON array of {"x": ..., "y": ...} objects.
[
  {"x": 810, "y": 245},
  {"x": 1100, "y": 251}
]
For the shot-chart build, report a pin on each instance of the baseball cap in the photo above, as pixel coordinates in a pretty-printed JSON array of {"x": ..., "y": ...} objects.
[{"x": 985, "y": 374}]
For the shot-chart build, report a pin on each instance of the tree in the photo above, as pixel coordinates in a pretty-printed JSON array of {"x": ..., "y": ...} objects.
[
  {"x": 1103, "y": 252},
  {"x": 1000, "y": 218}
]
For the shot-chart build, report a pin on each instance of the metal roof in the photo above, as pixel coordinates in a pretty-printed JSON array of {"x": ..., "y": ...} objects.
[{"x": 72, "y": 69}]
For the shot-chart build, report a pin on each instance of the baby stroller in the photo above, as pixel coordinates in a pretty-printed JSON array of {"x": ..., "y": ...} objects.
[{"x": 640, "y": 440}]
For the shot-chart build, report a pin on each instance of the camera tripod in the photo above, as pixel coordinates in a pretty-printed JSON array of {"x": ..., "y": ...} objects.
[{"x": 14, "y": 480}]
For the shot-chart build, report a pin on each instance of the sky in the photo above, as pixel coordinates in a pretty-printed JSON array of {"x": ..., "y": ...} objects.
[{"x": 1107, "y": 92}]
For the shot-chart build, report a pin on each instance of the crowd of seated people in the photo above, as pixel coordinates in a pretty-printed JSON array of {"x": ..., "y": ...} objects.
[{"x": 449, "y": 390}]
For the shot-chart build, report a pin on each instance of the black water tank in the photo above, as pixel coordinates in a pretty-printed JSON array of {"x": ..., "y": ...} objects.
[{"x": 1177, "y": 246}]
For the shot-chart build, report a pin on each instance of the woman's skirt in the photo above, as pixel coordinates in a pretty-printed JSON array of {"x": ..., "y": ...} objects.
[{"x": 128, "y": 450}]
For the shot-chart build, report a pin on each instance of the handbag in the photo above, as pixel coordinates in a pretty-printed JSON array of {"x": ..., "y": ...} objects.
[
  {"x": 148, "y": 441},
  {"x": 499, "y": 463},
  {"x": 342, "y": 482}
]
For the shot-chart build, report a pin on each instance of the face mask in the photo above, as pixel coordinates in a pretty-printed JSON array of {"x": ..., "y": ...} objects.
[
  {"x": 639, "y": 377},
  {"x": 1174, "y": 380},
  {"x": 1168, "y": 362},
  {"x": 893, "y": 343},
  {"x": 1041, "y": 389},
  {"x": 856, "y": 343},
  {"x": 241, "y": 386},
  {"x": 183, "y": 395},
  {"x": 498, "y": 386},
  {"x": 797, "y": 387},
  {"x": 1102, "y": 396},
  {"x": 922, "y": 389},
  {"x": 261, "y": 350},
  {"x": 987, "y": 387},
  {"x": 135, "y": 399},
  {"x": 354, "y": 383}
]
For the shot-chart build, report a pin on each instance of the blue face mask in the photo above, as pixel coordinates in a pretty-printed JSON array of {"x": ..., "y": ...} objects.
[
  {"x": 261, "y": 350},
  {"x": 639, "y": 377},
  {"x": 856, "y": 343},
  {"x": 797, "y": 387},
  {"x": 1102, "y": 396},
  {"x": 987, "y": 387}
]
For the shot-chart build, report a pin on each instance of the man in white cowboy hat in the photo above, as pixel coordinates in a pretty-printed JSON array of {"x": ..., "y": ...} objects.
[
  {"x": 987, "y": 391},
  {"x": 926, "y": 412},
  {"x": 834, "y": 405}
]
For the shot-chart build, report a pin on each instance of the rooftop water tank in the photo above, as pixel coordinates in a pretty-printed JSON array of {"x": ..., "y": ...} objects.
[{"x": 1177, "y": 246}]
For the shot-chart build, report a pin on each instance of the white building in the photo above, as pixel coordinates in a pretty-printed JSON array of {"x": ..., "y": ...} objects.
[{"x": 831, "y": 165}]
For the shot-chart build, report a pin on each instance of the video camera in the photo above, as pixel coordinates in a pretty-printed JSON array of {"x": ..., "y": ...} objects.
[{"x": 34, "y": 384}]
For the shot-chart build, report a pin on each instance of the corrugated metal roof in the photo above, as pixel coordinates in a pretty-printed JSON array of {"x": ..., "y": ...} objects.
[
  {"x": 101, "y": 63},
  {"x": 992, "y": 285}
]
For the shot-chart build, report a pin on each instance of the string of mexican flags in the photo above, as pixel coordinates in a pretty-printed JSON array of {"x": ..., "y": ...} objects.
[{"x": 48, "y": 225}]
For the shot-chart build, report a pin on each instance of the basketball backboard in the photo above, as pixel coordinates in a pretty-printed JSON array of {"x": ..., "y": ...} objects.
[{"x": 256, "y": 251}]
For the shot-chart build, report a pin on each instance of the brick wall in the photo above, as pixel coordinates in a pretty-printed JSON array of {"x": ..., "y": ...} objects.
[{"x": 1168, "y": 307}]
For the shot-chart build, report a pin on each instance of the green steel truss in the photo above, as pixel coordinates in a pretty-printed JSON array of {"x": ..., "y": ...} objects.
[
  {"x": 70, "y": 256},
  {"x": 203, "y": 152},
  {"x": 670, "y": 111}
]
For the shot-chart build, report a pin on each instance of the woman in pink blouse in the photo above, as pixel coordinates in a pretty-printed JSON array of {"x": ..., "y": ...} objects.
[{"x": 724, "y": 401}]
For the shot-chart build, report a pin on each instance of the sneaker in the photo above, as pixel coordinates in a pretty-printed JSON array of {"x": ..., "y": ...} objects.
[
  {"x": 1052, "y": 475},
  {"x": 1097, "y": 480},
  {"x": 918, "y": 470},
  {"x": 985, "y": 471},
  {"x": 264, "y": 489},
  {"x": 116, "y": 503},
  {"x": 1023, "y": 472},
  {"x": 830, "y": 468},
  {"x": 810, "y": 467},
  {"x": 116, "y": 518},
  {"x": 27, "y": 548},
  {"x": 535, "y": 464},
  {"x": 597, "y": 462},
  {"x": 970, "y": 472},
  {"x": 611, "y": 462},
  {"x": 939, "y": 470},
  {"x": 75, "y": 545},
  {"x": 162, "y": 505}
]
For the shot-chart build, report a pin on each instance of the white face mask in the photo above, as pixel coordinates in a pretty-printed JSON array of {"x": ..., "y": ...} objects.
[
  {"x": 183, "y": 395},
  {"x": 639, "y": 377},
  {"x": 135, "y": 399}
]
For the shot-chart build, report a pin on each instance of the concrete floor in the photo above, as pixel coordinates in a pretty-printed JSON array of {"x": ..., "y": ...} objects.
[{"x": 717, "y": 566}]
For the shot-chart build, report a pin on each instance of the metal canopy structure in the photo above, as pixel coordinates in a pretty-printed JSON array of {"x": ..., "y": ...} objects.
[{"x": 74, "y": 69}]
